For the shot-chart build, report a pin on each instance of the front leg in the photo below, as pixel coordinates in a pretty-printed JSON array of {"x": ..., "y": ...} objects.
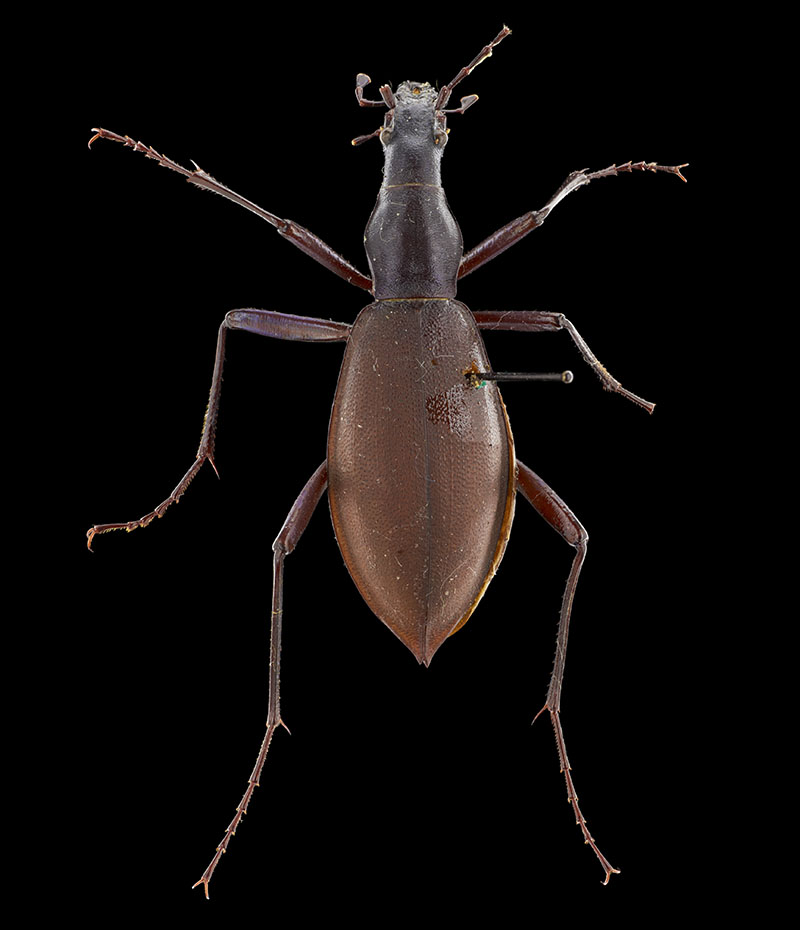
[
  {"x": 540, "y": 321},
  {"x": 263, "y": 323},
  {"x": 512, "y": 232},
  {"x": 298, "y": 235}
]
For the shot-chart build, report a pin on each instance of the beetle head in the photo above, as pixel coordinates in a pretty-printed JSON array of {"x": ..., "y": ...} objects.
[
  {"x": 414, "y": 118},
  {"x": 417, "y": 112}
]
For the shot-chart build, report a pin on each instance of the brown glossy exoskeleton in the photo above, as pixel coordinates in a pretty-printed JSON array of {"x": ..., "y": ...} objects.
[{"x": 420, "y": 472}]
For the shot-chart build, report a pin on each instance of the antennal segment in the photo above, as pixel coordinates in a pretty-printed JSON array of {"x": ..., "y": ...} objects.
[{"x": 486, "y": 51}]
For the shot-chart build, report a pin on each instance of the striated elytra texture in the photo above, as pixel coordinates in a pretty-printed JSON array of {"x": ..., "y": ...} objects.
[{"x": 420, "y": 468}]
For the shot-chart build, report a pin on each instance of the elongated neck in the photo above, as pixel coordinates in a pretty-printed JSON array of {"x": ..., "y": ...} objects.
[{"x": 408, "y": 162}]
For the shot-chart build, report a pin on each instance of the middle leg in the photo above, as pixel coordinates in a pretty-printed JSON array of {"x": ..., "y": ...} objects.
[
  {"x": 541, "y": 321},
  {"x": 262, "y": 323}
]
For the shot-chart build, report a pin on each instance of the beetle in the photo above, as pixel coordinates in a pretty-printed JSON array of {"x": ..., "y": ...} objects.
[{"x": 420, "y": 472}]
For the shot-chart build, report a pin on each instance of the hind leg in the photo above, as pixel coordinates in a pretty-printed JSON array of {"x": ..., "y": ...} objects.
[
  {"x": 292, "y": 530},
  {"x": 550, "y": 506}
]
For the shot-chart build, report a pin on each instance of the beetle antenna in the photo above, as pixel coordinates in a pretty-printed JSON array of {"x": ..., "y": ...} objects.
[{"x": 485, "y": 52}]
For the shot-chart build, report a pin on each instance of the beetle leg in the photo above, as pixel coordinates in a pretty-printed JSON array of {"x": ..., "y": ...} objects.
[
  {"x": 541, "y": 321},
  {"x": 298, "y": 235},
  {"x": 287, "y": 539},
  {"x": 550, "y": 506},
  {"x": 263, "y": 323},
  {"x": 512, "y": 232}
]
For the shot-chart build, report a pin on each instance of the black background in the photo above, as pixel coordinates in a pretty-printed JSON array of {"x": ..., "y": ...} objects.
[{"x": 401, "y": 787}]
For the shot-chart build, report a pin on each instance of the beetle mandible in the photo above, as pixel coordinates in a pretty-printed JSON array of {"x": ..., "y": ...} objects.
[{"x": 417, "y": 412}]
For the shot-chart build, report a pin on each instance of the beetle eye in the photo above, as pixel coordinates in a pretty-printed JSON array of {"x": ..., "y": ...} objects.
[{"x": 439, "y": 138}]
